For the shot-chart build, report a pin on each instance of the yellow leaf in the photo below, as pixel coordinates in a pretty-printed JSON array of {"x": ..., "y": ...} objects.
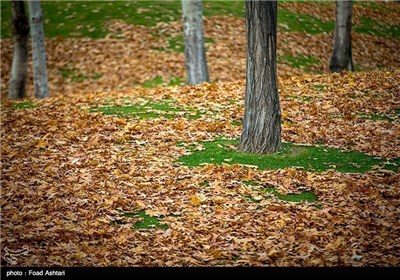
[
  {"x": 195, "y": 200},
  {"x": 120, "y": 121},
  {"x": 41, "y": 144},
  {"x": 272, "y": 252},
  {"x": 280, "y": 223},
  {"x": 93, "y": 162},
  {"x": 216, "y": 254}
]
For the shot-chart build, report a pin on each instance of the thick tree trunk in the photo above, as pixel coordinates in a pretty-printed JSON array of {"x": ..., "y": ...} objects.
[
  {"x": 195, "y": 52},
  {"x": 19, "y": 70},
  {"x": 342, "y": 57},
  {"x": 262, "y": 119},
  {"x": 38, "y": 50}
]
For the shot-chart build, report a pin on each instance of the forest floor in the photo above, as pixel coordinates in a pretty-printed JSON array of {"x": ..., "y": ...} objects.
[
  {"x": 124, "y": 178},
  {"x": 125, "y": 166}
]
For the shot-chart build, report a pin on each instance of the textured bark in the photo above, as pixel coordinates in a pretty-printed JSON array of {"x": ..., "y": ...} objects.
[
  {"x": 38, "y": 50},
  {"x": 195, "y": 52},
  {"x": 342, "y": 56},
  {"x": 19, "y": 70},
  {"x": 262, "y": 119}
]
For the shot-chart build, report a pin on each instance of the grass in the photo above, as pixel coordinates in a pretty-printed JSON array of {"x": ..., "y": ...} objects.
[
  {"x": 371, "y": 5},
  {"x": 311, "y": 158},
  {"x": 320, "y": 88},
  {"x": 373, "y": 27},
  {"x": 298, "y": 61},
  {"x": 176, "y": 44},
  {"x": 159, "y": 81},
  {"x": 390, "y": 116},
  {"x": 300, "y": 98},
  {"x": 148, "y": 221},
  {"x": 291, "y": 197},
  {"x": 76, "y": 19},
  {"x": 376, "y": 117},
  {"x": 237, "y": 123},
  {"x": 89, "y": 18},
  {"x": 24, "y": 105},
  {"x": 295, "y": 22},
  {"x": 166, "y": 109},
  {"x": 76, "y": 76}
]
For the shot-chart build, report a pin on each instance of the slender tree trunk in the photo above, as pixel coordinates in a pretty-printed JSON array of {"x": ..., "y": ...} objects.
[
  {"x": 38, "y": 50},
  {"x": 342, "y": 56},
  {"x": 19, "y": 70},
  {"x": 262, "y": 118},
  {"x": 195, "y": 52}
]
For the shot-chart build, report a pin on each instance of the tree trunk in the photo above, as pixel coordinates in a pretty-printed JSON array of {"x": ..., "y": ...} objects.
[
  {"x": 19, "y": 70},
  {"x": 195, "y": 52},
  {"x": 262, "y": 118},
  {"x": 38, "y": 50},
  {"x": 342, "y": 57}
]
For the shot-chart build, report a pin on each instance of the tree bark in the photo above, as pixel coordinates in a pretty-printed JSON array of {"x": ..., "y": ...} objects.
[
  {"x": 262, "y": 118},
  {"x": 38, "y": 50},
  {"x": 195, "y": 52},
  {"x": 342, "y": 55},
  {"x": 19, "y": 70}
]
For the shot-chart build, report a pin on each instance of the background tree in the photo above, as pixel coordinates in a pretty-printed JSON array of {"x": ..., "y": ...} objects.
[
  {"x": 195, "y": 52},
  {"x": 38, "y": 50},
  {"x": 342, "y": 56},
  {"x": 262, "y": 118},
  {"x": 19, "y": 70}
]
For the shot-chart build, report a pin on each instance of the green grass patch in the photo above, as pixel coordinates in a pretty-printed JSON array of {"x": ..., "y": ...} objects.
[
  {"x": 295, "y": 22},
  {"x": 167, "y": 109},
  {"x": 24, "y": 105},
  {"x": 300, "y": 98},
  {"x": 237, "y": 123},
  {"x": 376, "y": 28},
  {"x": 298, "y": 61},
  {"x": 320, "y": 88},
  {"x": 376, "y": 117},
  {"x": 159, "y": 81},
  {"x": 204, "y": 184},
  {"x": 291, "y": 197},
  {"x": 148, "y": 222},
  {"x": 76, "y": 76},
  {"x": 312, "y": 158},
  {"x": 373, "y": 5},
  {"x": 177, "y": 44}
]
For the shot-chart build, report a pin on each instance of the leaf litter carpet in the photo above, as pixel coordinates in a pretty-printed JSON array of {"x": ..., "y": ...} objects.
[{"x": 69, "y": 175}]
